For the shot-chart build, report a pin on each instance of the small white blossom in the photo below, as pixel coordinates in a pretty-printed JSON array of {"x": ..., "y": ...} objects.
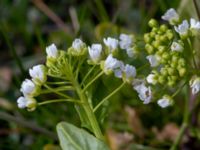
[
  {"x": 145, "y": 93},
  {"x": 38, "y": 74},
  {"x": 130, "y": 52},
  {"x": 52, "y": 51},
  {"x": 153, "y": 60},
  {"x": 28, "y": 102},
  {"x": 151, "y": 78},
  {"x": 194, "y": 24},
  {"x": 126, "y": 41},
  {"x": 118, "y": 71},
  {"x": 110, "y": 64},
  {"x": 195, "y": 85},
  {"x": 176, "y": 47},
  {"x": 22, "y": 102},
  {"x": 28, "y": 87},
  {"x": 165, "y": 101},
  {"x": 129, "y": 72},
  {"x": 95, "y": 52},
  {"x": 171, "y": 16},
  {"x": 78, "y": 48},
  {"x": 183, "y": 28},
  {"x": 111, "y": 43}
]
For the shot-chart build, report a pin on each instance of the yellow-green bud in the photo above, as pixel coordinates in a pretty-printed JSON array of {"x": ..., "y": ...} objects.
[
  {"x": 149, "y": 48},
  {"x": 166, "y": 55},
  {"x": 164, "y": 71},
  {"x": 156, "y": 43},
  {"x": 181, "y": 71},
  {"x": 170, "y": 34},
  {"x": 147, "y": 38},
  {"x": 171, "y": 71},
  {"x": 163, "y": 28},
  {"x": 161, "y": 79},
  {"x": 153, "y": 23}
]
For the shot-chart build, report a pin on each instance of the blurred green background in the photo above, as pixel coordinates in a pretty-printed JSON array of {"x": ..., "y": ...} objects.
[{"x": 27, "y": 27}]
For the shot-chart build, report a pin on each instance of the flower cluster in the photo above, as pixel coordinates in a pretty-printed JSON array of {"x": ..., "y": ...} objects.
[{"x": 165, "y": 54}]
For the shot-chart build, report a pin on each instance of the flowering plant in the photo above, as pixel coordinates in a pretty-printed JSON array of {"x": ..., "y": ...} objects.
[{"x": 72, "y": 74}]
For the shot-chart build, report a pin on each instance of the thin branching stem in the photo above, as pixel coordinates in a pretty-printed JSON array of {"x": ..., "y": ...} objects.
[{"x": 109, "y": 96}]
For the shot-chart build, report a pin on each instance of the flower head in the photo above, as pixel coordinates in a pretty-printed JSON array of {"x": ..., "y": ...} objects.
[
  {"x": 78, "y": 48},
  {"x": 52, "y": 51},
  {"x": 22, "y": 102},
  {"x": 28, "y": 88},
  {"x": 151, "y": 78},
  {"x": 176, "y": 47},
  {"x": 110, "y": 64},
  {"x": 129, "y": 73},
  {"x": 27, "y": 102},
  {"x": 126, "y": 41},
  {"x": 153, "y": 60},
  {"x": 165, "y": 101},
  {"x": 95, "y": 52},
  {"x": 145, "y": 93},
  {"x": 194, "y": 26},
  {"x": 111, "y": 43},
  {"x": 195, "y": 84},
  {"x": 171, "y": 16},
  {"x": 38, "y": 74},
  {"x": 182, "y": 29}
]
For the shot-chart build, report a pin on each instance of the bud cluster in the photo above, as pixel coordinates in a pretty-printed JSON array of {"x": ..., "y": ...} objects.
[{"x": 165, "y": 55}]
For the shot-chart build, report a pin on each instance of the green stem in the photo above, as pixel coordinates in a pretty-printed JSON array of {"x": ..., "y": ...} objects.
[
  {"x": 58, "y": 83},
  {"x": 58, "y": 100},
  {"x": 184, "y": 124},
  {"x": 193, "y": 58},
  {"x": 65, "y": 88},
  {"x": 92, "y": 118},
  {"x": 100, "y": 74},
  {"x": 178, "y": 90},
  {"x": 86, "y": 76},
  {"x": 57, "y": 92},
  {"x": 107, "y": 97}
]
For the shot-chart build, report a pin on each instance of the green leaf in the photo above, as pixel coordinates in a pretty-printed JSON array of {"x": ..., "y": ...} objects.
[{"x": 73, "y": 138}]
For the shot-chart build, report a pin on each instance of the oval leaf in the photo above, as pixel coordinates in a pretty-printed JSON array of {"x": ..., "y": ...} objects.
[{"x": 73, "y": 138}]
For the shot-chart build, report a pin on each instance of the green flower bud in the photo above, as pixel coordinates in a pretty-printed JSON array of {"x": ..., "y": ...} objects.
[
  {"x": 149, "y": 48},
  {"x": 181, "y": 62},
  {"x": 171, "y": 71},
  {"x": 162, "y": 48},
  {"x": 170, "y": 34},
  {"x": 153, "y": 23},
  {"x": 161, "y": 79},
  {"x": 152, "y": 34},
  {"x": 163, "y": 28},
  {"x": 155, "y": 29},
  {"x": 166, "y": 55},
  {"x": 164, "y": 71},
  {"x": 147, "y": 38},
  {"x": 181, "y": 72},
  {"x": 156, "y": 43},
  {"x": 164, "y": 39}
]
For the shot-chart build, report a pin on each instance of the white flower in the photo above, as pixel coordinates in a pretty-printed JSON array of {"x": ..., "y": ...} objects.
[
  {"x": 195, "y": 84},
  {"x": 194, "y": 24},
  {"x": 171, "y": 16},
  {"x": 95, "y": 52},
  {"x": 126, "y": 41},
  {"x": 111, "y": 43},
  {"x": 182, "y": 29},
  {"x": 28, "y": 102},
  {"x": 165, "y": 101},
  {"x": 129, "y": 72},
  {"x": 28, "y": 87},
  {"x": 52, "y": 51},
  {"x": 145, "y": 93},
  {"x": 153, "y": 60},
  {"x": 118, "y": 71},
  {"x": 38, "y": 74},
  {"x": 130, "y": 52},
  {"x": 110, "y": 64},
  {"x": 22, "y": 102},
  {"x": 151, "y": 78},
  {"x": 78, "y": 48},
  {"x": 176, "y": 47},
  {"x": 78, "y": 44}
]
